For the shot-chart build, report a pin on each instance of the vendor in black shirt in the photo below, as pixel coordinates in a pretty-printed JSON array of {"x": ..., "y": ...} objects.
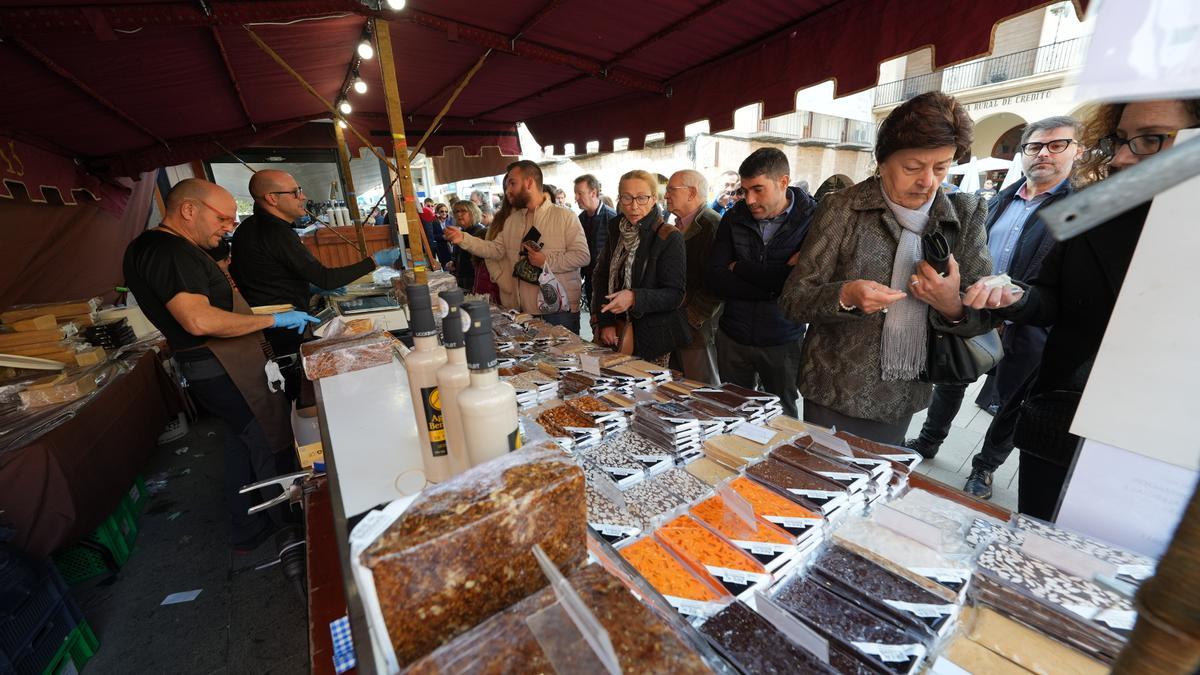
[
  {"x": 270, "y": 264},
  {"x": 217, "y": 341}
]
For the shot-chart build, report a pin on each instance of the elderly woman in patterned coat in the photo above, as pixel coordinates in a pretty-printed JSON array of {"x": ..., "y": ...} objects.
[{"x": 863, "y": 286}]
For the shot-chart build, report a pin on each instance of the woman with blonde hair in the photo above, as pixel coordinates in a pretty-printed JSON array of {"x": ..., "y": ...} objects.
[{"x": 639, "y": 279}]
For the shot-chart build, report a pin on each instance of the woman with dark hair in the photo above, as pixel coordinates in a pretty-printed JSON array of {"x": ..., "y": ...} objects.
[
  {"x": 1075, "y": 292},
  {"x": 639, "y": 279},
  {"x": 863, "y": 287},
  {"x": 487, "y": 271}
]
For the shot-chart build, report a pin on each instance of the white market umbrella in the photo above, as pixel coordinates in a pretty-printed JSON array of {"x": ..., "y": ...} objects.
[
  {"x": 1016, "y": 169},
  {"x": 970, "y": 172}
]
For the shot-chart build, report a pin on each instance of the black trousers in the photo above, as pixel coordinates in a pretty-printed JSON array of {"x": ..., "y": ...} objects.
[
  {"x": 247, "y": 456},
  {"x": 1040, "y": 484},
  {"x": 771, "y": 369}
]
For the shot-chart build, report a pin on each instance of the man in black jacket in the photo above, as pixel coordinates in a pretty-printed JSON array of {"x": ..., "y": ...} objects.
[
  {"x": 270, "y": 264},
  {"x": 594, "y": 218},
  {"x": 1017, "y": 241},
  {"x": 753, "y": 254}
]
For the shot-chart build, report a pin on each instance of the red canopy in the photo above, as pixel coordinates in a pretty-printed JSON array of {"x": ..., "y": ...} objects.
[{"x": 137, "y": 84}]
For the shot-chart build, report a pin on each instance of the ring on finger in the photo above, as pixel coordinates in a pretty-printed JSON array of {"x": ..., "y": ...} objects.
[{"x": 915, "y": 282}]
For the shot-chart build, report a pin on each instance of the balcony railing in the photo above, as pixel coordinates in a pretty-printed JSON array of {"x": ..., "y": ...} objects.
[
  {"x": 1050, "y": 58},
  {"x": 817, "y": 129}
]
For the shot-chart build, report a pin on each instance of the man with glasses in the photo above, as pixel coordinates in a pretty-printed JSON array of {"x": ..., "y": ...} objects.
[
  {"x": 272, "y": 267},
  {"x": 1017, "y": 241},
  {"x": 755, "y": 249},
  {"x": 687, "y": 200},
  {"x": 216, "y": 341}
]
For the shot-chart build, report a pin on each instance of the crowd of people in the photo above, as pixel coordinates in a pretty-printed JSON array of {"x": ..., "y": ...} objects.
[{"x": 755, "y": 282}]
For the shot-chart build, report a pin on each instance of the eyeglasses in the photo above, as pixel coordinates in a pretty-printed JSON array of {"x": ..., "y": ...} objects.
[
  {"x": 641, "y": 200},
  {"x": 1055, "y": 147},
  {"x": 1146, "y": 144},
  {"x": 221, "y": 217},
  {"x": 295, "y": 192}
]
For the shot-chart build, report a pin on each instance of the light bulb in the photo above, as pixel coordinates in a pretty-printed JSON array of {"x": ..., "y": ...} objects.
[
  {"x": 396, "y": 5},
  {"x": 360, "y": 85},
  {"x": 342, "y": 124},
  {"x": 344, "y": 106},
  {"x": 365, "y": 50}
]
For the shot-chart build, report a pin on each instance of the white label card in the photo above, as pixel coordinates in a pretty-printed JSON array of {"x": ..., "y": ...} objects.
[
  {"x": 753, "y": 432},
  {"x": 908, "y": 526},
  {"x": 1066, "y": 558},
  {"x": 793, "y": 628},
  {"x": 830, "y": 441}
]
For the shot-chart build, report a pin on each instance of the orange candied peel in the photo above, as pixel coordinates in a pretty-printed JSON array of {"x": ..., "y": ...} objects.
[
  {"x": 697, "y": 543},
  {"x": 768, "y": 502},
  {"x": 665, "y": 573},
  {"x": 722, "y": 519}
]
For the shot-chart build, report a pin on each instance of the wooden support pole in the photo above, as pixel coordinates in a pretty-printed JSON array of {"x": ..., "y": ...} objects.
[
  {"x": 351, "y": 195},
  {"x": 387, "y": 66}
]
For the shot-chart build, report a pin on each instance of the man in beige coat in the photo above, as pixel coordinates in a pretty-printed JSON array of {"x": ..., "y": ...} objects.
[{"x": 563, "y": 245}]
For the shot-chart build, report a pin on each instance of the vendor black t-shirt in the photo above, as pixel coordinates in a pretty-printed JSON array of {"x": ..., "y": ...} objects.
[{"x": 158, "y": 266}]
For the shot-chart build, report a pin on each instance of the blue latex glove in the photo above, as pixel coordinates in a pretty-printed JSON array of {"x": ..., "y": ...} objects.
[
  {"x": 295, "y": 320},
  {"x": 387, "y": 256}
]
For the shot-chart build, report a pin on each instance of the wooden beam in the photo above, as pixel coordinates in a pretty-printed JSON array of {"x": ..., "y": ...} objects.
[
  {"x": 83, "y": 87},
  {"x": 391, "y": 91},
  {"x": 237, "y": 89},
  {"x": 348, "y": 180}
]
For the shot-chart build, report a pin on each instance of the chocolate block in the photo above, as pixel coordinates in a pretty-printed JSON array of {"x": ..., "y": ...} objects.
[
  {"x": 869, "y": 585},
  {"x": 755, "y": 646},
  {"x": 827, "y": 495}
]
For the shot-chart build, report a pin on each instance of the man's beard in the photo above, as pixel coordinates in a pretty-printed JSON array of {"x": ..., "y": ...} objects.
[{"x": 519, "y": 200}]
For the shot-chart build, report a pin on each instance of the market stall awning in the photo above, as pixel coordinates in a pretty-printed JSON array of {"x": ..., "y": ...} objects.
[{"x": 129, "y": 86}]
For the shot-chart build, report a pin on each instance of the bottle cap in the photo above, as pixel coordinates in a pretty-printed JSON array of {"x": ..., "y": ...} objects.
[
  {"x": 452, "y": 326},
  {"x": 481, "y": 348},
  {"x": 420, "y": 311}
]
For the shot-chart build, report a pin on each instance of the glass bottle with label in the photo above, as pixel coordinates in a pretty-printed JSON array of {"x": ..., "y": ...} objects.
[
  {"x": 452, "y": 378},
  {"x": 489, "y": 406},
  {"x": 422, "y": 364}
]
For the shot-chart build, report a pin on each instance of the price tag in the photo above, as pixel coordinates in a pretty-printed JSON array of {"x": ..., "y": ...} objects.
[
  {"x": 1066, "y": 558},
  {"x": 753, "y": 432},
  {"x": 909, "y": 526}
]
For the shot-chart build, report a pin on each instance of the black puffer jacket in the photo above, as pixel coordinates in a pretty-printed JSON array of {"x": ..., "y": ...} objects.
[
  {"x": 751, "y": 291},
  {"x": 659, "y": 279}
]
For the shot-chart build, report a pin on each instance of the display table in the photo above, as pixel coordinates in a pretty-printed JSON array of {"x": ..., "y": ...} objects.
[
  {"x": 326, "y": 599},
  {"x": 332, "y": 251},
  {"x": 61, "y": 485}
]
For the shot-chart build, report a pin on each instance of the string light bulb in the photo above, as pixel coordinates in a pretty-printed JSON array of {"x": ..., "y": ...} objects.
[
  {"x": 396, "y": 5},
  {"x": 365, "y": 50},
  {"x": 344, "y": 106},
  {"x": 342, "y": 123},
  {"x": 360, "y": 85}
]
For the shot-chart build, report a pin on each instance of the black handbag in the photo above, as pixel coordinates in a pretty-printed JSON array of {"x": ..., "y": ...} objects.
[
  {"x": 1044, "y": 420},
  {"x": 523, "y": 269},
  {"x": 953, "y": 359}
]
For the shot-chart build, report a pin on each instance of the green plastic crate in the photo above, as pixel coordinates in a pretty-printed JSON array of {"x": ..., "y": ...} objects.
[
  {"x": 76, "y": 651},
  {"x": 105, "y": 549},
  {"x": 125, "y": 519}
]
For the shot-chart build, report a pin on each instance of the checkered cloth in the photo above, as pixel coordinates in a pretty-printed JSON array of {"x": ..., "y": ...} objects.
[{"x": 343, "y": 645}]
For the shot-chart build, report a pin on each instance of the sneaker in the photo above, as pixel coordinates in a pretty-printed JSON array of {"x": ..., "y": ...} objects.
[
  {"x": 979, "y": 484},
  {"x": 920, "y": 448}
]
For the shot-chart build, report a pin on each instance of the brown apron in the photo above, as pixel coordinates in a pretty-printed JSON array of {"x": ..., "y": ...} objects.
[{"x": 244, "y": 358}]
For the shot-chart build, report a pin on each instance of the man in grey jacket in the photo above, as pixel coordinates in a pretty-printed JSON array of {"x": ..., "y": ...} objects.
[{"x": 687, "y": 197}]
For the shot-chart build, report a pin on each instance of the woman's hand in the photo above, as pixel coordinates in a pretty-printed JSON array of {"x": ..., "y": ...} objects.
[
  {"x": 937, "y": 291},
  {"x": 453, "y": 235},
  {"x": 608, "y": 336},
  {"x": 868, "y": 296},
  {"x": 985, "y": 295},
  {"x": 619, "y": 302}
]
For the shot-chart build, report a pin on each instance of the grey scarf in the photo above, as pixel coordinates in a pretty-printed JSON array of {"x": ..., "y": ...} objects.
[
  {"x": 620, "y": 266},
  {"x": 906, "y": 327}
]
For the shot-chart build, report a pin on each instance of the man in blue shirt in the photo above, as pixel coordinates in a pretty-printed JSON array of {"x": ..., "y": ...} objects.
[
  {"x": 728, "y": 184},
  {"x": 1017, "y": 241},
  {"x": 593, "y": 216}
]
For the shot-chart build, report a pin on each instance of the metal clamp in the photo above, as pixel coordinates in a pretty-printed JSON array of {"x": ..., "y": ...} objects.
[{"x": 292, "y": 485}]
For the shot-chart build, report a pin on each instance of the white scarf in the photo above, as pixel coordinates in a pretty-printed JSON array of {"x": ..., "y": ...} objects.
[{"x": 905, "y": 341}]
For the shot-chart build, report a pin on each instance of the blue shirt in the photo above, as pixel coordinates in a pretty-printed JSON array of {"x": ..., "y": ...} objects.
[
  {"x": 1006, "y": 231},
  {"x": 768, "y": 227}
]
